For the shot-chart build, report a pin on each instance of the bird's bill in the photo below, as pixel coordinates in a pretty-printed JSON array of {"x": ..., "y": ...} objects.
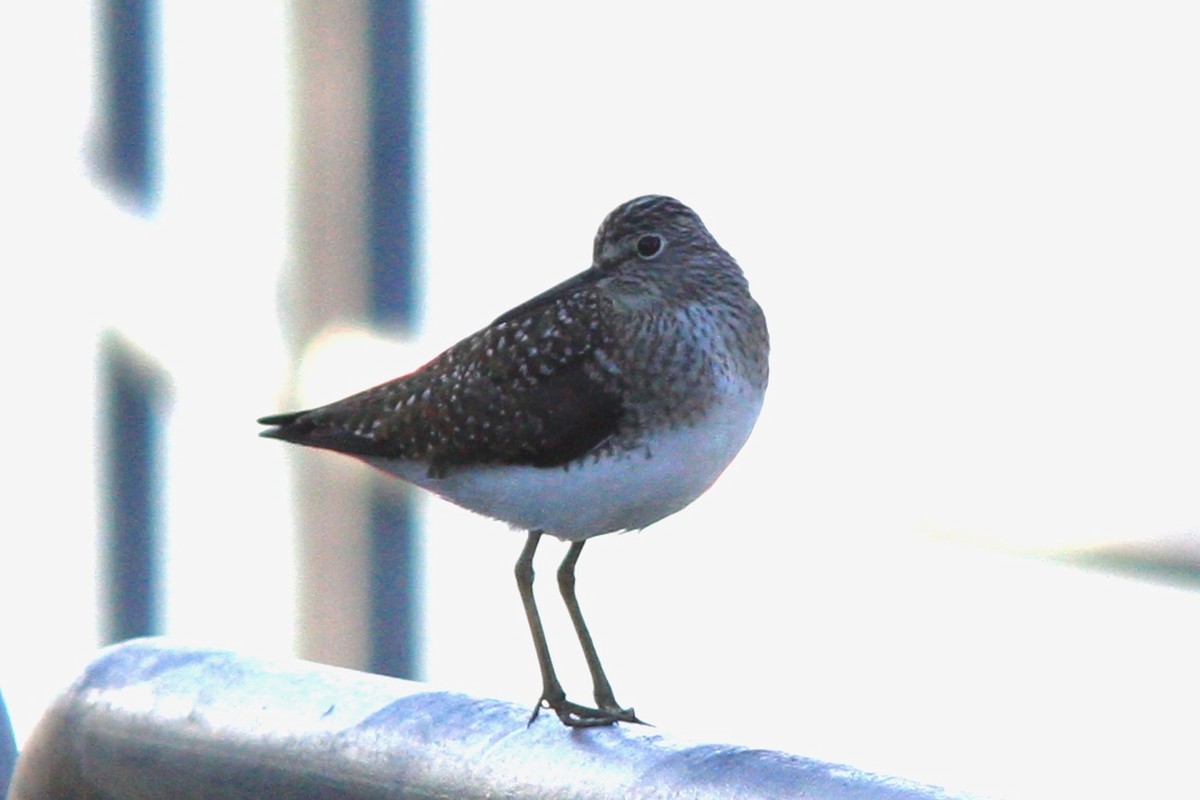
[{"x": 565, "y": 289}]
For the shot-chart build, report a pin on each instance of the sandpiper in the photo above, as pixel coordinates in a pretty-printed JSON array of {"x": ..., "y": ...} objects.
[{"x": 604, "y": 404}]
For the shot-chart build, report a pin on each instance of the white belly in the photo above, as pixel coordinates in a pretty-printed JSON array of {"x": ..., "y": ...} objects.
[{"x": 620, "y": 492}]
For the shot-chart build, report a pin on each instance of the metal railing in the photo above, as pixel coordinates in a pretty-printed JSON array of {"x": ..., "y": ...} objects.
[
  {"x": 147, "y": 719},
  {"x": 8, "y": 748}
]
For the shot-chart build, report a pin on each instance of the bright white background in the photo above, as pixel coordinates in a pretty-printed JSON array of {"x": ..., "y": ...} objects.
[{"x": 973, "y": 230}]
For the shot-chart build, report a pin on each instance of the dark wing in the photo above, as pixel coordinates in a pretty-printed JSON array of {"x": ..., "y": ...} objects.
[{"x": 536, "y": 387}]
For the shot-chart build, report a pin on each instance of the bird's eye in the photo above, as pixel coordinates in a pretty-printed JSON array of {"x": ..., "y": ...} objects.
[{"x": 649, "y": 246}]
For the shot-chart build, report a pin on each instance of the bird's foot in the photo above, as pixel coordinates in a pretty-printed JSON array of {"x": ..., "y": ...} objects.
[{"x": 574, "y": 715}]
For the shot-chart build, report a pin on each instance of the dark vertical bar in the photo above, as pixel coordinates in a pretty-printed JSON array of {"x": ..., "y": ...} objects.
[
  {"x": 394, "y": 160},
  {"x": 8, "y": 749},
  {"x": 393, "y": 248},
  {"x": 129, "y": 97},
  {"x": 133, "y": 391},
  {"x": 395, "y": 579}
]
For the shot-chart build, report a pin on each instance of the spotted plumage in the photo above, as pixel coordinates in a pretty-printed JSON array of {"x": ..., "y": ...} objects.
[
  {"x": 581, "y": 371},
  {"x": 606, "y": 403},
  {"x": 532, "y": 390}
]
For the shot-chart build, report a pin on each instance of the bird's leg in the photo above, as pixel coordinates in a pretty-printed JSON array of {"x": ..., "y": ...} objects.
[
  {"x": 601, "y": 689},
  {"x": 553, "y": 696}
]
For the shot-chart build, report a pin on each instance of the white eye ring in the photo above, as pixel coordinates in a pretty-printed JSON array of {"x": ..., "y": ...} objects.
[{"x": 649, "y": 246}]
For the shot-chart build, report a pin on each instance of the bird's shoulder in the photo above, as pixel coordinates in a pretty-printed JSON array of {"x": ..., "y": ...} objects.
[{"x": 537, "y": 386}]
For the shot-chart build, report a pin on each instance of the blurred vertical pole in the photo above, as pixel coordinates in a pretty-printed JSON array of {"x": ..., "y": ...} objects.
[
  {"x": 357, "y": 248},
  {"x": 132, "y": 388},
  {"x": 393, "y": 208},
  {"x": 128, "y": 36},
  {"x": 395, "y": 582},
  {"x": 133, "y": 392},
  {"x": 393, "y": 246}
]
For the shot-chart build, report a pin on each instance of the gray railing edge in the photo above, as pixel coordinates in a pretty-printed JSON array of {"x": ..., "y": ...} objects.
[{"x": 149, "y": 718}]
